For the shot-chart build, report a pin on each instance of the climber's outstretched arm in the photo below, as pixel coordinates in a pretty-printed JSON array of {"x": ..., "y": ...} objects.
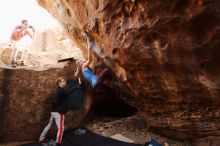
[{"x": 89, "y": 59}]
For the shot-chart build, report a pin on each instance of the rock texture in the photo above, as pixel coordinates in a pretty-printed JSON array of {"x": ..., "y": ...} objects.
[
  {"x": 25, "y": 103},
  {"x": 48, "y": 46},
  {"x": 165, "y": 52}
]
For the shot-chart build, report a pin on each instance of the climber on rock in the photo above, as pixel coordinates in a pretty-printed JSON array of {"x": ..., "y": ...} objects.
[{"x": 87, "y": 72}]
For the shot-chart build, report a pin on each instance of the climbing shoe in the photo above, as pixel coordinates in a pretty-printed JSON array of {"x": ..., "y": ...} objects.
[
  {"x": 22, "y": 63},
  {"x": 13, "y": 63}
]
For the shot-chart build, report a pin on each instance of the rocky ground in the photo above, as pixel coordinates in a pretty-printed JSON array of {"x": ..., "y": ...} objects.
[{"x": 132, "y": 127}]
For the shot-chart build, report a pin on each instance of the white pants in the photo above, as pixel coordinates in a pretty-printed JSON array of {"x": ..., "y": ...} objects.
[
  {"x": 59, "y": 119},
  {"x": 22, "y": 45}
]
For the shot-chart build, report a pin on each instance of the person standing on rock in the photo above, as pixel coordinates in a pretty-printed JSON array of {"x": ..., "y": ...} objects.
[
  {"x": 87, "y": 72},
  {"x": 59, "y": 107},
  {"x": 21, "y": 38}
]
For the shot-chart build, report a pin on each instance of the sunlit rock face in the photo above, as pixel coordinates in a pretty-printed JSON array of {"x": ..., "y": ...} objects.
[
  {"x": 48, "y": 46},
  {"x": 25, "y": 103},
  {"x": 165, "y": 53},
  {"x": 51, "y": 45}
]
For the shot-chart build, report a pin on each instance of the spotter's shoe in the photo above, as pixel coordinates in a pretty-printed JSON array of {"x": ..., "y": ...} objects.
[{"x": 13, "y": 63}]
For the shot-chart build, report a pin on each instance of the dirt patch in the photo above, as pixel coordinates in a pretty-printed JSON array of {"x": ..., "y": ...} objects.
[{"x": 133, "y": 127}]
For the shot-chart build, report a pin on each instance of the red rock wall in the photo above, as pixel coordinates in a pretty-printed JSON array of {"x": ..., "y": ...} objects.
[
  {"x": 165, "y": 51},
  {"x": 25, "y": 103}
]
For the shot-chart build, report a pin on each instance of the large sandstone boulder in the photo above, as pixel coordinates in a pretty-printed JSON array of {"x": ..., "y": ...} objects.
[
  {"x": 48, "y": 46},
  {"x": 25, "y": 102},
  {"x": 165, "y": 54}
]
